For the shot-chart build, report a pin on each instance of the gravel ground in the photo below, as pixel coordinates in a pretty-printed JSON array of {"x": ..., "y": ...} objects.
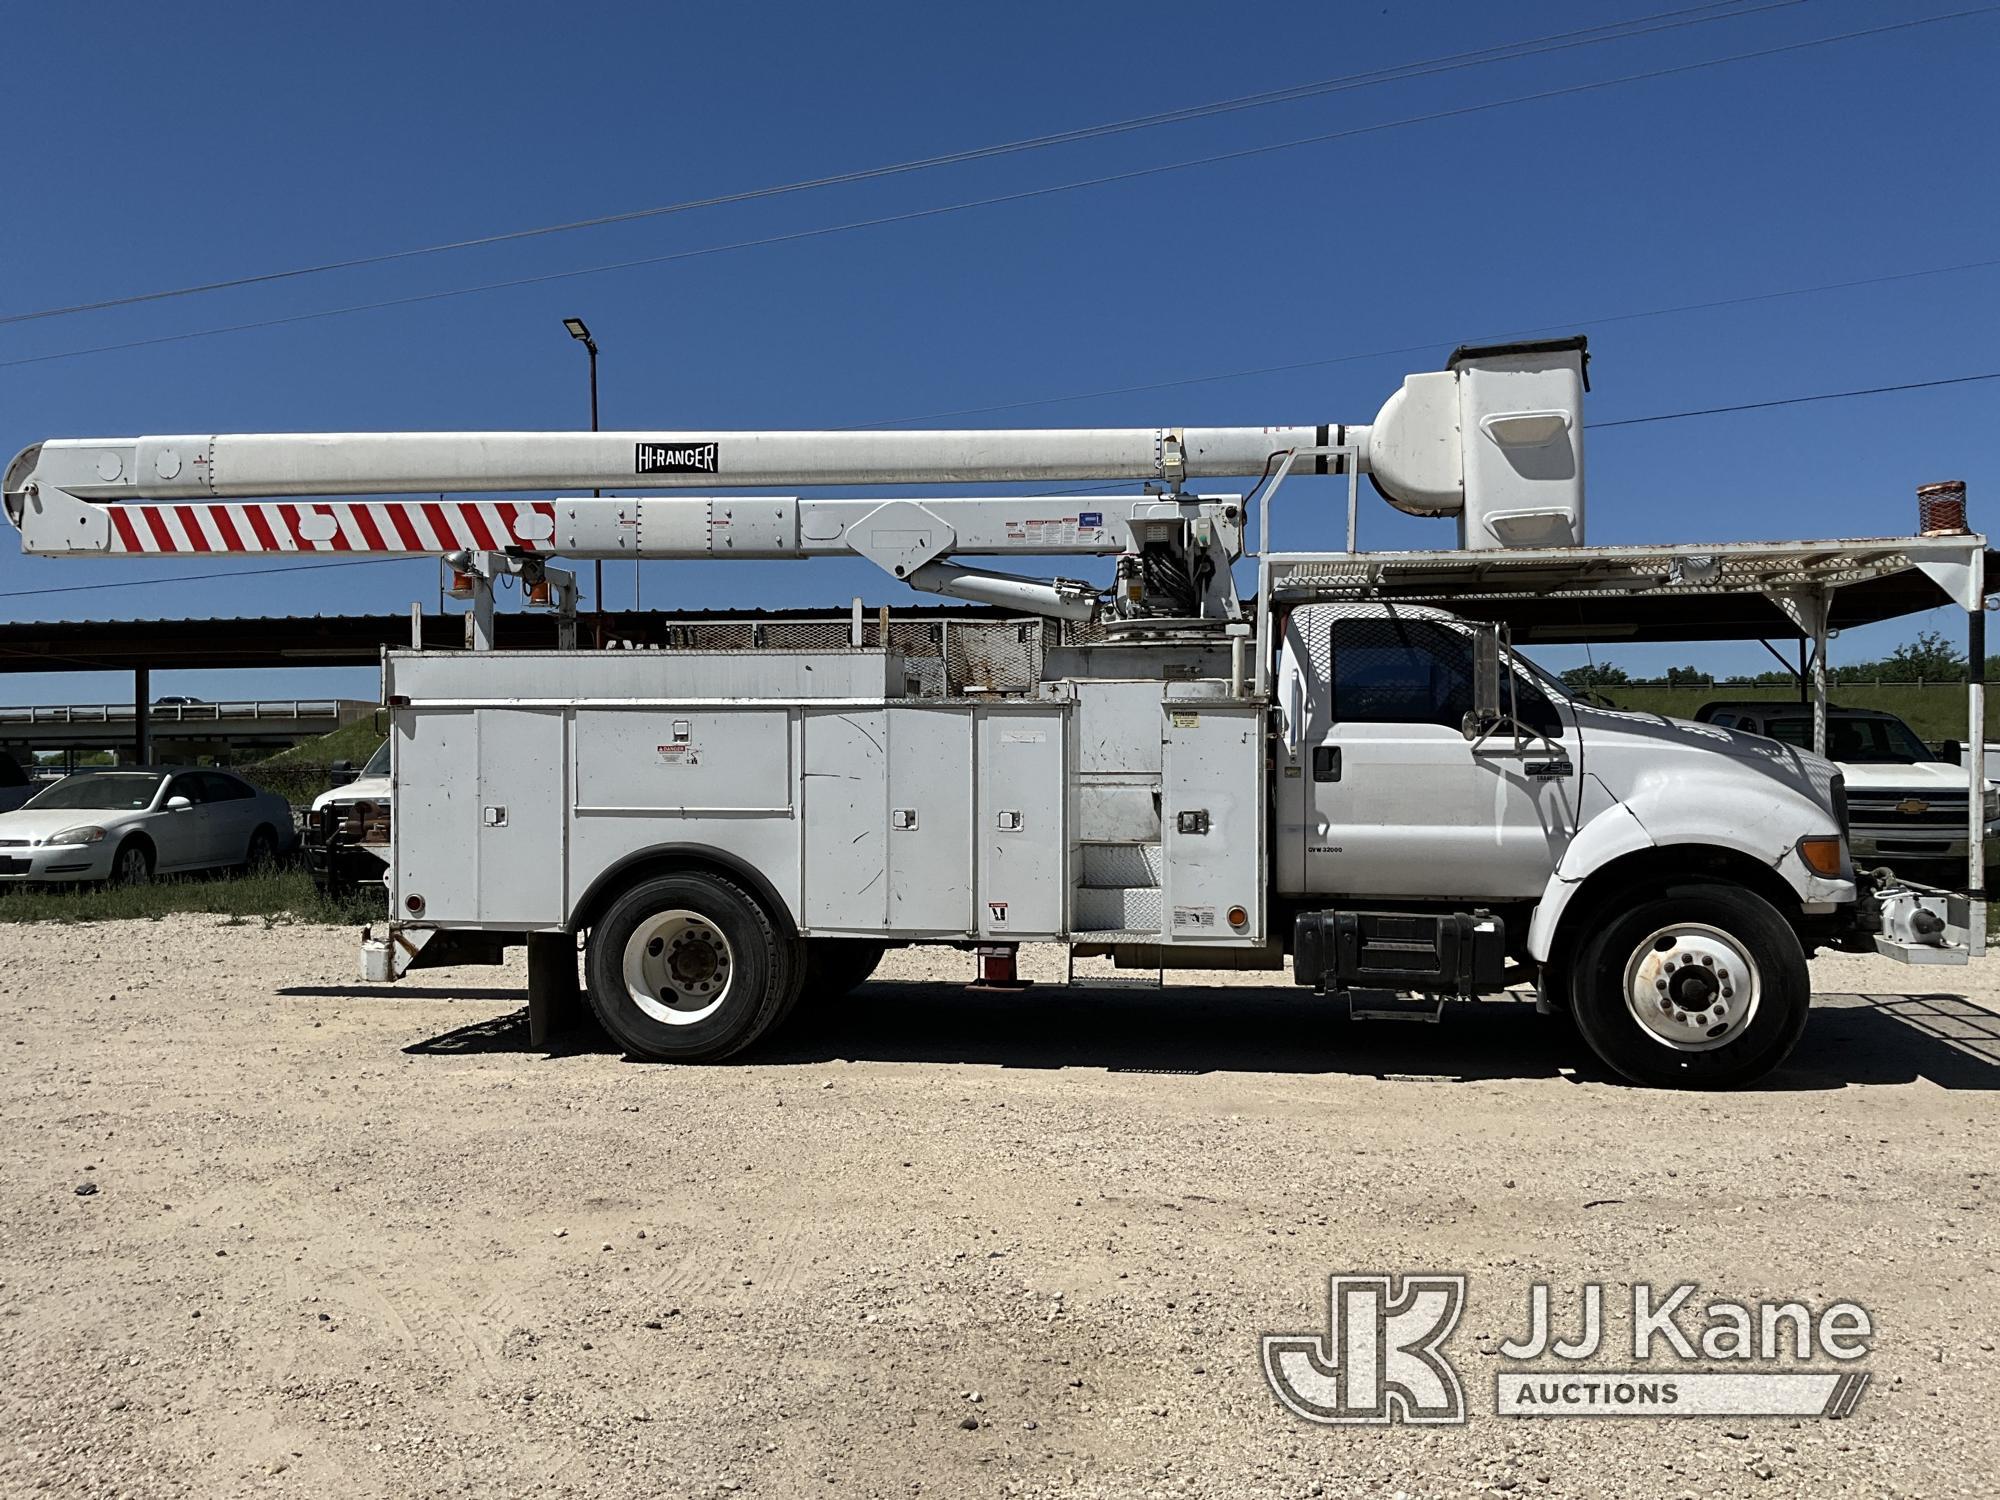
[{"x": 342, "y": 1239}]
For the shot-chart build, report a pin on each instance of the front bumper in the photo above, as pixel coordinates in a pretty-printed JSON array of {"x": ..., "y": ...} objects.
[
  {"x": 1874, "y": 845},
  {"x": 56, "y": 862},
  {"x": 346, "y": 845},
  {"x": 338, "y": 865}
]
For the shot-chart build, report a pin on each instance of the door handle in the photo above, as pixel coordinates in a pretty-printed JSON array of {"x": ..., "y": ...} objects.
[{"x": 1326, "y": 763}]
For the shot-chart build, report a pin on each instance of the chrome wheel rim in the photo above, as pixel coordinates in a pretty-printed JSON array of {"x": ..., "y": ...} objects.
[
  {"x": 678, "y": 967},
  {"x": 1692, "y": 987}
]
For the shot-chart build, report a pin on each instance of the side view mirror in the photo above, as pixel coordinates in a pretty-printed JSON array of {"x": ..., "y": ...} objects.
[
  {"x": 1952, "y": 751},
  {"x": 178, "y": 804},
  {"x": 1485, "y": 711}
]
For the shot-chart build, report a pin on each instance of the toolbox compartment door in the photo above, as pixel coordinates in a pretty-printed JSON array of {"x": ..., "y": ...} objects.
[
  {"x": 1212, "y": 820},
  {"x": 844, "y": 800},
  {"x": 1021, "y": 822},
  {"x": 478, "y": 816},
  {"x": 930, "y": 821}
]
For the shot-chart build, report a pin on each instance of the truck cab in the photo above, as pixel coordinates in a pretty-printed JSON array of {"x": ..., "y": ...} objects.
[{"x": 1663, "y": 880}]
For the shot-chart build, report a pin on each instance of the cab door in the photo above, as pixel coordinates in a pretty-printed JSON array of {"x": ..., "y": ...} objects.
[
  {"x": 1394, "y": 800},
  {"x": 231, "y": 812},
  {"x": 183, "y": 837}
]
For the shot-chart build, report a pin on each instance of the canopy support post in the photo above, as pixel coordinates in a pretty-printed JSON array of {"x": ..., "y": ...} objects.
[
  {"x": 1975, "y": 730},
  {"x": 1809, "y": 610}
]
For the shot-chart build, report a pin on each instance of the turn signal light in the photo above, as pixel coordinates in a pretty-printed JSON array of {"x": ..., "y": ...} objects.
[
  {"x": 1238, "y": 917},
  {"x": 1822, "y": 855},
  {"x": 461, "y": 585},
  {"x": 540, "y": 594}
]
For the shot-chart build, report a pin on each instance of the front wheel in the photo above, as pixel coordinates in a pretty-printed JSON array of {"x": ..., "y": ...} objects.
[
  {"x": 1699, "y": 987},
  {"x": 689, "y": 967},
  {"x": 132, "y": 864}
]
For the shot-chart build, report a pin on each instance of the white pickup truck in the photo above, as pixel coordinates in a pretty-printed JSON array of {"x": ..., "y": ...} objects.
[
  {"x": 346, "y": 839},
  {"x": 1906, "y": 805}
]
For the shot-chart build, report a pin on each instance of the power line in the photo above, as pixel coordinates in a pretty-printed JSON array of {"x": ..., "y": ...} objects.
[
  {"x": 1590, "y": 36},
  {"x": 1670, "y": 416},
  {"x": 205, "y": 577},
  {"x": 1873, "y": 390},
  {"x": 1560, "y": 325},
  {"x": 1023, "y": 195}
]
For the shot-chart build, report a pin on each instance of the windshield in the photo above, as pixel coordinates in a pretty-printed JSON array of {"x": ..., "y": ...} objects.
[
  {"x": 1860, "y": 742},
  {"x": 1549, "y": 683},
  {"x": 110, "y": 791},
  {"x": 378, "y": 763}
]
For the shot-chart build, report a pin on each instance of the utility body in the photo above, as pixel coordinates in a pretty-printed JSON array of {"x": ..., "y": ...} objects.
[{"x": 1178, "y": 776}]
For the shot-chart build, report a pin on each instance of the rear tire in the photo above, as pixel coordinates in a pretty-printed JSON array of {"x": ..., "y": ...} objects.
[
  {"x": 1697, "y": 987},
  {"x": 262, "y": 853},
  {"x": 689, "y": 967}
]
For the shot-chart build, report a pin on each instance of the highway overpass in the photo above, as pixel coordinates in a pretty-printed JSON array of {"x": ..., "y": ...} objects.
[{"x": 178, "y": 731}]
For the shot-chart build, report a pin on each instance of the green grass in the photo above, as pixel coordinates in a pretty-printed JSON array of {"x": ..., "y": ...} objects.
[
  {"x": 304, "y": 771},
  {"x": 351, "y": 742},
  {"x": 1935, "y": 710},
  {"x": 277, "y": 898}
]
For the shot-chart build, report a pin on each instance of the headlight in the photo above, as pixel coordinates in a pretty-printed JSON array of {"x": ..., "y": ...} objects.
[{"x": 87, "y": 835}]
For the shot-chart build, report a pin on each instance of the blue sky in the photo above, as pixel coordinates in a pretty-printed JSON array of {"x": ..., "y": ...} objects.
[{"x": 149, "y": 150}]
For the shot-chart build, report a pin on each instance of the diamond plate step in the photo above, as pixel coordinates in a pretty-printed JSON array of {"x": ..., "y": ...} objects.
[
  {"x": 1110, "y": 866},
  {"x": 1120, "y": 908}
]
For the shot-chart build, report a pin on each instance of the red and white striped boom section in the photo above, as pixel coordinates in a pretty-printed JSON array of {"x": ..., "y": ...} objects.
[{"x": 385, "y": 528}]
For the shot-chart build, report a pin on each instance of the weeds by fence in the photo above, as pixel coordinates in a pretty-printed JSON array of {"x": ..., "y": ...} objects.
[{"x": 297, "y": 781}]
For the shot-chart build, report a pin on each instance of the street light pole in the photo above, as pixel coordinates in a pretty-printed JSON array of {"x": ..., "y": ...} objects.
[{"x": 580, "y": 332}]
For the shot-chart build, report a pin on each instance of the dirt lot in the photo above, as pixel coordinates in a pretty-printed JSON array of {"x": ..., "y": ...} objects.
[{"x": 353, "y": 1241}]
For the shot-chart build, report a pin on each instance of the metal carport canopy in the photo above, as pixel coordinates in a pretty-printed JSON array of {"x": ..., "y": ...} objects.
[{"x": 1691, "y": 592}]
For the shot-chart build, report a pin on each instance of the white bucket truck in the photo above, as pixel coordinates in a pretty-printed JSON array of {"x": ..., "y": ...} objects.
[{"x": 1333, "y": 768}]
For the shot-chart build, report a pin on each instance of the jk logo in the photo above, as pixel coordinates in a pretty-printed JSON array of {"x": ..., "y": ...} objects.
[{"x": 1379, "y": 1360}]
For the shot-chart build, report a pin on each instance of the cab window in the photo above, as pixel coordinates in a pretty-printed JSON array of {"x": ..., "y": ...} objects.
[
  {"x": 188, "y": 785},
  {"x": 1388, "y": 671}
]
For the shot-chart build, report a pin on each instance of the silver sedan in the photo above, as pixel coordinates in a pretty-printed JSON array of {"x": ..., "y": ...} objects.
[{"x": 129, "y": 824}]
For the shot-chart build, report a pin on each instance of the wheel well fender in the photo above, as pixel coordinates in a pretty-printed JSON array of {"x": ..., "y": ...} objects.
[
  {"x": 662, "y": 859},
  {"x": 140, "y": 837},
  {"x": 1566, "y": 906}
]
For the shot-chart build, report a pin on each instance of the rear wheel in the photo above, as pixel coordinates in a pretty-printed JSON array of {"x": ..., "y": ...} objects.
[
  {"x": 263, "y": 851},
  {"x": 1700, "y": 986},
  {"x": 689, "y": 967}
]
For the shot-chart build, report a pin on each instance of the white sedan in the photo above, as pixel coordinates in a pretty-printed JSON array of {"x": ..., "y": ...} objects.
[{"x": 130, "y": 824}]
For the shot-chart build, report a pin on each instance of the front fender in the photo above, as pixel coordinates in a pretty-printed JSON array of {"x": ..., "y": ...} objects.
[
  {"x": 1612, "y": 834},
  {"x": 1744, "y": 820}
]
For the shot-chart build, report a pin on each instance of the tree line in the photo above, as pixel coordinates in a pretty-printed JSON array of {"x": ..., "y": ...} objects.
[{"x": 1929, "y": 658}]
